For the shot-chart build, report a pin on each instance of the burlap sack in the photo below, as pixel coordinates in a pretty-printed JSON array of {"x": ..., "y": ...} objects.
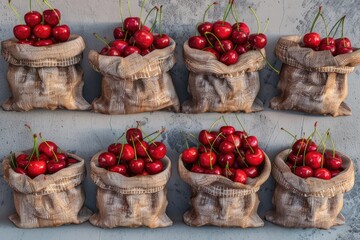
[
  {"x": 215, "y": 87},
  {"x": 45, "y": 77},
  {"x": 216, "y": 200},
  {"x": 313, "y": 81},
  {"x": 130, "y": 201},
  {"x": 48, "y": 200},
  {"x": 136, "y": 83},
  {"x": 311, "y": 202}
]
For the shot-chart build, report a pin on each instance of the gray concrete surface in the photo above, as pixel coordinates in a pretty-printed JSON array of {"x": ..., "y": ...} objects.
[{"x": 85, "y": 133}]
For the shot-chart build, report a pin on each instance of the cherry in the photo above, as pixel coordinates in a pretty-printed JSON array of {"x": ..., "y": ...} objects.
[
  {"x": 132, "y": 24},
  {"x": 255, "y": 157},
  {"x": 249, "y": 142},
  {"x": 239, "y": 176},
  {"x": 258, "y": 41},
  {"x": 114, "y": 148},
  {"x": 295, "y": 158},
  {"x": 71, "y": 161},
  {"x": 154, "y": 167},
  {"x": 240, "y": 134},
  {"x": 304, "y": 171},
  {"x": 26, "y": 42},
  {"x": 205, "y": 27},
  {"x": 128, "y": 153},
  {"x": 32, "y": 18},
  {"x": 311, "y": 40},
  {"x": 333, "y": 163},
  {"x": 161, "y": 41},
  {"x": 197, "y": 42},
  {"x": 226, "y": 147},
  {"x": 327, "y": 41},
  {"x": 141, "y": 148},
  {"x": 299, "y": 146},
  {"x": 136, "y": 166},
  {"x": 207, "y": 159},
  {"x": 60, "y": 156},
  {"x": 343, "y": 50},
  {"x": 106, "y": 159},
  {"x": 36, "y": 168},
  {"x": 42, "y": 31},
  {"x": 43, "y": 42},
  {"x": 313, "y": 160},
  {"x": 229, "y": 58},
  {"x": 322, "y": 173},
  {"x": 251, "y": 172},
  {"x": 334, "y": 173},
  {"x": 343, "y": 43},
  {"x": 222, "y": 30},
  {"x": 189, "y": 155},
  {"x": 114, "y": 52},
  {"x": 22, "y": 32},
  {"x": 311, "y": 147},
  {"x": 146, "y": 51},
  {"x": 157, "y": 150},
  {"x": 197, "y": 169},
  {"x": 226, "y": 159},
  {"x": 41, "y": 157},
  {"x": 213, "y": 51},
  {"x": 133, "y": 135},
  {"x": 128, "y": 50},
  {"x": 119, "y": 33},
  {"x": 48, "y": 148},
  {"x": 120, "y": 168},
  {"x": 52, "y": 17},
  {"x": 54, "y": 165},
  {"x": 61, "y": 33},
  {"x": 216, "y": 170},
  {"x": 239, "y": 37},
  {"x": 228, "y": 172},
  {"x": 143, "y": 39},
  {"x": 234, "y": 139},
  {"x": 206, "y": 138},
  {"x": 223, "y": 46},
  {"x": 20, "y": 171},
  {"x": 240, "y": 26},
  {"x": 22, "y": 160}
]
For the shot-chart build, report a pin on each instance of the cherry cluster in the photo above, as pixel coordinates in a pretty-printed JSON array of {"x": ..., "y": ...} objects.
[
  {"x": 44, "y": 159},
  {"x": 41, "y": 29},
  {"x": 335, "y": 46},
  {"x": 227, "y": 41},
  {"x": 137, "y": 157},
  {"x": 135, "y": 37},
  {"x": 227, "y": 152},
  {"x": 307, "y": 160}
]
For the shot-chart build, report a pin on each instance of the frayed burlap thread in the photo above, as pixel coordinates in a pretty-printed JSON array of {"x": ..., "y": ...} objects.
[
  {"x": 48, "y": 200},
  {"x": 311, "y": 202},
  {"x": 218, "y": 201},
  {"x": 313, "y": 81},
  {"x": 136, "y": 83},
  {"x": 130, "y": 201},
  {"x": 48, "y": 77},
  {"x": 215, "y": 87}
]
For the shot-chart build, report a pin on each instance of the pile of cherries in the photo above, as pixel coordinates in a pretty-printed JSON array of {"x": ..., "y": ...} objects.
[
  {"x": 227, "y": 152},
  {"x": 133, "y": 36},
  {"x": 306, "y": 160},
  {"x": 44, "y": 159},
  {"x": 41, "y": 29},
  {"x": 227, "y": 41},
  {"x": 137, "y": 157},
  {"x": 337, "y": 46}
]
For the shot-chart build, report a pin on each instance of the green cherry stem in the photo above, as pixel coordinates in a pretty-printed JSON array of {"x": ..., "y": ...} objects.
[
  {"x": 16, "y": 12},
  {"x": 129, "y": 9},
  {"x": 316, "y": 18},
  {"x": 223, "y": 118},
  {"x": 241, "y": 125},
  {"x": 121, "y": 150},
  {"x": 326, "y": 28},
  {"x": 39, "y": 4},
  {"x": 257, "y": 19},
  {"x": 207, "y": 10},
  {"x": 214, "y": 123},
  {"x": 268, "y": 63},
  {"x": 160, "y": 20},
  {"x": 217, "y": 39},
  {"x": 12, "y": 161},
  {"x": 142, "y": 8},
  {"x": 121, "y": 14},
  {"x": 336, "y": 27},
  {"x": 185, "y": 139},
  {"x": 266, "y": 25},
  {"x": 235, "y": 16},
  {"x": 155, "y": 22},
  {"x": 149, "y": 14},
  {"x": 101, "y": 39},
  {"x": 30, "y": 5},
  {"x": 52, "y": 150},
  {"x": 332, "y": 144}
]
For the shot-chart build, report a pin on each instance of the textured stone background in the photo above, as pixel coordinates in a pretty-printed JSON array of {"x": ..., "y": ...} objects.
[{"x": 86, "y": 133}]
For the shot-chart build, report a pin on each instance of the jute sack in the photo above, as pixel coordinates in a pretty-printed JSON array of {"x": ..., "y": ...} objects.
[
  {"x": 313, "y": 81},
  {"x": 48, "y": 200},
  {"x": 218, "y": 201},
  {"x": 311, "y": 202},
  {"x": 215, "y": 87},
  {"x": 130, "y": 201},
  {"x": 45, "y": 77},
  {"x": 136, "y": 83}
]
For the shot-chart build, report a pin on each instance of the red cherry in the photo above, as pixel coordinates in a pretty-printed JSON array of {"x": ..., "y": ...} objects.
[
  {"x": 240, "y": 26},
  {"x": 54, "y": 166},
  {"x": 41, "y": 157},
  {"x": 43, "y": 42},
  {"x": 343, "y": 43},
  {"x": 240, "y": 176},
  {"x": 189, "y": 155},
  {"x": 33, "y": 18},
  {"x": 36, "y": 168},
  {"x": 206, "y": 138},
  {"x": 207, "y": 159},
  {"x": 197, "y": 42},
  {"x": 143, "y": 39},
  {"x": 299, "y": 146},
  {"x": 227, "y": 45},
  {"x": 197, "y": 169},
  {"x": 61, "y": 33},
  {"x": 295, "y": 159},
  {"x": 229, "y": 58},
  {"x": 343, "y": 50},
  {"x": 311, "y": 40},
  {"x": 234, "y": 139},
  {"x": 145, "y": 51},
  {"x": 222, "y": 30},
  {"x": 333, "y": 163},
  {"x": 334, "y": 173},
  {"x": 128, "y": 50},
  {"x": 255, "y": 158},
  {"x": 48, "y": 148},
  {"x": 239, "y": 37},
  {"x": 240, "y": 134},
  {"x": 313, "y": 160},
  {"x": 136, "y": 166},
  {"x": 20, "y": 171},
  {"x": 104, "y": 50},
  {"x": 42, "y": 31},
  {"x": 142, "y": 148},
  {"x": 249, "y": 142},
  {"x": 226, "y": 159},
  {"x": 26, "y": 42},
  {"x": 22, "y": 160},
  {"x": 52, "y": 17},
  {"x": 133, "y": 135},
  {"x": 114, "y": 52},
  {"x": 128, "y": 153},
  {"x": 205, "y": 27},
  {"x": 114, "y": 148},
  {"x": 228, "y": 172},
  {"x": 322, "y": 173},
  {"x": 251, "y": 172},
  {"x": 106, "y": 159},
  {"x": 71, "y": 161},
  {"x": 132, "y": 24},
  {"x": 61, "y": 156},
  {"x": 258, "y": 41},
  {"x": 304, "y": 171},
  {"x": 226, "y": 147},
  {"x": 213, "y": 51},
  {"x": 22, "y": 32},
  {"x": 327, "y": 41},
  {"x": 157, "y": 150},
  {"x": 154, "y": 167},
  {"x": 202, "y": 149},
  {"x": 215, "y": 171},
  {"x": 240, "y": 49},
  {"x": 227, "y": 130},
  {"x": 311, "y": 147},
  {"x": 121, "y": 168},
  {"x": 119, "y": 33},
  {"x": 331, "y": 48},
  {"x": 161, "y": 41}
]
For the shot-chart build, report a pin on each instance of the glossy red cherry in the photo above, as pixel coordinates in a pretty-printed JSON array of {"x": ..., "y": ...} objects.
[
  {"x": 133, "y": 135},
  {"x": 258, "y": 41},
  {"x": 143, "y": 39},
  {"x": 157, "y": 150},
  {"x": 205, "y": 27},
  {"x": 190, "y": 155},
  {"x": 311, "y": 40},
  {"x": 343, "y": 50},
  {"x": 226, "y": 147},
  {"x": 295, "y": 158},
  {"x": 239, "y": 37},
  {"x": 61, "y": 33},
  {"x": 304, "y": 171},
  {"x": 249, "y": 142},
  {"x": 343, "y": 43},
  {"x": 216, "y": 170},
  {"x": 114, "y": 148},
  {"x": 314, "y": 160},
  {"x": 234, "y": 139},
  {"x": 48, "y": 148},
  {"x": 223, "y": 45},
  {"x": 333, "y": 162},
  {"x": 213, "y": 51},
  {"x": 322, "y": 173},
  {"x": 251, "y": 172},
  {"x": 32, "y": 18},
  {"x": 229, "y": 58},
  {"x": 106, "y": 159},
  {"x": 43, "y": 42},
  {"x": 36, "y": 168},
  {"x": 113, "y": 52},
  {"x": 137, "y": 166},
  {"x": 20, "y": 171},
  {"x": 197, "y": 42},
  {"x": 222, "y": 30},
  {"x": 132, "y": 24},
  {"x": 22, "y": 160},
  {"x": 239, "y": 176},
  {"x": 226, "y": 159},
  {"x": 206, "y": 138},
  {"x": 42, "y": 31},
  {"x": 142, "y": 148},
  {"x": 128, "y": 50},
  {"x": 207, "y": 159},
  {"x": 54, "y": 165},
  {"x": 255, "y": 158},
  {"x": 240, "y": 26},
  {"x": 121, "y": 168},
  {"x": 161, "y": 41},
  {"x": 128, "y": 153},
  {"x": 154, "y": 167},
  {"x": 52, "y": 17},
  {"x": 119, "y": 33},
  {"x": 71, "y": 161},
  {"x": 22, "y": 32}
]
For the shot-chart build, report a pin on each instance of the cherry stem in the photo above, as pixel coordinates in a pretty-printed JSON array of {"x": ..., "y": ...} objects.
[
  {"x": 129, "y": 9},
  {"x": 133, "y": 143},
  {"x": 332, "y": 144},
  {"x": 294, "y": 140},
  {"x": 156, "y": 16},
  {"x": 308, "y": 141},
  {"x": 207, "y": 39},
  {"x": 342, "y": 29},
  {"x": 47, "y": 144},
  {"x": 235, "y": 16},
  {"x": 121, "y": 150},
  {"x": 227, "y": 11},
  {"x": 118, "y": 139},
  {"x": 268, "y": 63},
  {"x": 160, "y": 20},
  {"x": 12, "y": 161},
  {"x": 186, "y": 141},
  {"x": 323, "y": 152},
  {"x": 321, "y": 139},
  {"x": 257, "y": 19},
  {"x": 121, "y": 14},
  {"x": 238, "y": 151},
  {"x": 223, "y": 118},
  {"x": 207, "y": 10},
  {"x": 101, "y": 39},
  {"x": 316, "y": 18},
  {"x": 38, "y": 3},
  {"x": 142, "y": 145},
  {"x": 291, "y": 134},
  {"x": 239, "y": 121},
  {"x": 266, "y": 25},
  {"x": 149, "y": 14},
  {"x": 158, "y": 134},
  {"x": 214, "y": 123},
  {"x": 30, "y": 5},
  {"x": 192, "y": 135},
  {"x": 326, "y": 29},
  {"x": 217, "y": 39},
  {"x": 141, "y": 10},
  {"x": 336, "y": 25},
  {"x": 252, "y": 150},
  {"x": 51, "y": 7},
  {"x": 16, "y": 12}
]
